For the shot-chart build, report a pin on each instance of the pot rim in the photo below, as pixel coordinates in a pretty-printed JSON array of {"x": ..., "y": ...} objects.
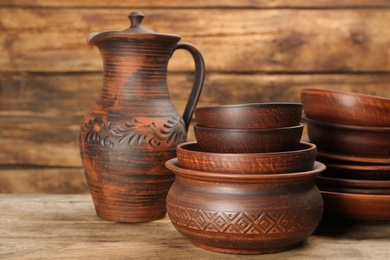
[
  {"x": 173, "y": 165},
  {"x": 306, "y": 147}
]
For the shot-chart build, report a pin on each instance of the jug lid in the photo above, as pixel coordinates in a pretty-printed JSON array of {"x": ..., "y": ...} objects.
[{"x": 135, "y": 29}]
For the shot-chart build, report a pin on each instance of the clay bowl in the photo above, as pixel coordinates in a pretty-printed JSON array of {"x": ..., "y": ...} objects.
[
  {"x": 372, "y": 142},
  {"x": 244, "y": 213},
  {"x": 250, "y": 116},
  {"x": 217, "y": 140},
  {"x": 347, "y": 108},
  {"x": 190, "y": 156},
  {"x": 360, "y": 171},
  {"x": 364, "y": 207}
]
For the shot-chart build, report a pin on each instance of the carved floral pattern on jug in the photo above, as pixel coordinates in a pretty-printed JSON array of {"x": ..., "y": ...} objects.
[
  {"x": 134, "y": 133},
  {"x": 244, "y": 223}
]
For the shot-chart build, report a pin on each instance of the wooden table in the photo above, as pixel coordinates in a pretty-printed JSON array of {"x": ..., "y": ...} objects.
[{"x": 66, "y": 227}]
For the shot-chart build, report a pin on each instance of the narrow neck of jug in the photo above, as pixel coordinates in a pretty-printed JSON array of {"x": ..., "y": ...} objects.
[{"x": 134, "y": 71}]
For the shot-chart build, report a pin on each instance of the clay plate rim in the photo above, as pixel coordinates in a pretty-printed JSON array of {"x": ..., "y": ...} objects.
[
  {"x": 354, "y": 190},
  {"x": 371, "y": 184},
  {"x": 369, "y": 129},
  {"x": 369, "y": 167},
  {"x": 349, "y": 158},
  {"x": 354, "y": 203}
]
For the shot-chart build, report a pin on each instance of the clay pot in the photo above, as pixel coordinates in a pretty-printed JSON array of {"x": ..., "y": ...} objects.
[
  {"x": 365, "y": 207},
  {"x": 346, "y": 108},
  {"x": 244, "y": 213},
  {"x": 218, "y": 140},
  {"x": 190, "y": 156},
  {"x": 134, "y": 128},
  {"x": 364, "y": 141},
  {"x": 249, "y": 116}
]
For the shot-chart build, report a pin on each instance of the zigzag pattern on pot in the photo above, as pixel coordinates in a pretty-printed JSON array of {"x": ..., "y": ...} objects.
[{"x": 270, "y": 222}]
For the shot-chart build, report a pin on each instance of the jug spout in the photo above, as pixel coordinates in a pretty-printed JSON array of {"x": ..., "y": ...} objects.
[{"x": 90, "y": 37}]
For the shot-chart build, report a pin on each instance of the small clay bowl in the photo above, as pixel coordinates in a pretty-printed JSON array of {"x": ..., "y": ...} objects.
[
  {"x": 349, "y": 140},
  {"x": 217, "y": 140},
  {"x": 356, "y": 171},
  {"x": 365, "y": 207},
  {"x": 347, "y": 108},
  {"x": 190, "y": 156},
  {"x": 250, "y": 116},
  {"x": 244, "y": 213}
]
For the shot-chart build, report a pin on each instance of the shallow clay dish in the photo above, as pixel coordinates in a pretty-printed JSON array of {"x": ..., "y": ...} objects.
[
  {"x": 357, "y": 206},
  {"x": 352, "y": 158},
  {"x": 190, "y": 156},
  {"x": 250, "y": 116},
  {"x": 244, "y": 213},
  {"x": 348, "y": 108},
  {"x": 363, "y": 141},
  {"x": 356, "y": 171},
  {"x": 349, "y": 183},
  {"x": 354, "y": 190},
  {"x": 248, "y": 140}
]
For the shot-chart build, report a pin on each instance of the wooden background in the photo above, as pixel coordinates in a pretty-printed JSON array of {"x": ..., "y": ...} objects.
[{"x": 255, "y": 51}]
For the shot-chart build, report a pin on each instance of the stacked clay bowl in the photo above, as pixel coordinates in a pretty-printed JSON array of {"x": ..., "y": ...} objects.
[
  {"x": 246, "y": 186},
  {"x": 352, "y": 135}
]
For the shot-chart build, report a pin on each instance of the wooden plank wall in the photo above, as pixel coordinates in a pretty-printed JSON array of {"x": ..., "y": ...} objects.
[{"x": 255, "y": 51}]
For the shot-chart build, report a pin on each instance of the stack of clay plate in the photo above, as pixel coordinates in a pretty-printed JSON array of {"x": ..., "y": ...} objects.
[{"x": 352, "y": 134}]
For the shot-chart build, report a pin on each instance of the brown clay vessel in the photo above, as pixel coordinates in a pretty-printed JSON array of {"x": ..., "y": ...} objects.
[
  {"x": 352, "y": 158},
  {"x": 354, "y": 190},
  {"x": 244, "y": 213},
  {"x": 365, "y": 207},
  {"x": 249, "y": 116},
  {"x": 217, "y": 140},
  {"x": 356, "y": 171},
  {"x": 190, "y": 156},
  {"x": 134, "y": 128},
  {"x": 351, "y": 183},
  {"x": 360, "y": 141},
  {"x": 349, "y": 108}
]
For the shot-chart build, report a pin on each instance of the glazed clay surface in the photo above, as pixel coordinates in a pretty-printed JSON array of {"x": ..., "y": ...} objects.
[{"x": 133, "y": 129}]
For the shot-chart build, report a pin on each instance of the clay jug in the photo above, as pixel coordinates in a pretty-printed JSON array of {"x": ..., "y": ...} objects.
[{"x": 134, "y": 128}]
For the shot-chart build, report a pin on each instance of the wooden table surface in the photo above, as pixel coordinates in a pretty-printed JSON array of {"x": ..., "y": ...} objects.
[{"x": 66, "y": 227}]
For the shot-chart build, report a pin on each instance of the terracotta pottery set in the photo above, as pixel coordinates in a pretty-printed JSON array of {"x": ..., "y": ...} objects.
[
  {"x": 352, "y": 135},
  {"x": 247, "y": 185},
  {"x": 133, "y": 129},
  {"x": 256, "y": 196}
]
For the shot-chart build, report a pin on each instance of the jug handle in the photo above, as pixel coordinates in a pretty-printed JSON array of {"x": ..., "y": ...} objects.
[{"x": 198, "y": 82}]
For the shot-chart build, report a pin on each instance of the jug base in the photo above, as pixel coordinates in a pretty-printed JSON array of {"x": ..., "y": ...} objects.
[{"x": 129, "y": 216}]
